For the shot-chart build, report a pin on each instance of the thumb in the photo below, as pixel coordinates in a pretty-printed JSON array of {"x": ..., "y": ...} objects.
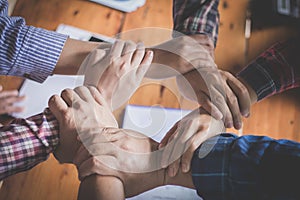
[
  {"x": 57, "y": 106},
  {"x": 145, "y": 64}
]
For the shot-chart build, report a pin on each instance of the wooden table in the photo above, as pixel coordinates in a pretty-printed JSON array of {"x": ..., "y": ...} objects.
[{"x": 277, "y": 116}]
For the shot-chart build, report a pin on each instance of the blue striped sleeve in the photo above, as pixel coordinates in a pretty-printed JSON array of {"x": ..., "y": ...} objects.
[{"x": 27, "y": 51}]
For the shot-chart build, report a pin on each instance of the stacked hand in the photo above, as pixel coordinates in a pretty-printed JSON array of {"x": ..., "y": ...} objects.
[
  {"x": 118, "y": 71},
  {"x": 7, "y": 101},
  {"x": 79, "y": 111}
]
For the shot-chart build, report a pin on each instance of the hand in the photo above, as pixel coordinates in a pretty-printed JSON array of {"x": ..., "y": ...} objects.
[
  {"x": 7, "y": 100},
  {"x": 218, "y": 92},
  {"x": 121, "y": 153},
  {"x": 117, "y": 74},
  {"x": 182, "y": 54},
  {"x": 78, "y": 111},
  {"x": 185, "y": 137}
]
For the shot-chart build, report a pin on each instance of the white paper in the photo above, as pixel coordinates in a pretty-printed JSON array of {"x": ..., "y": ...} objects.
[
  {"x": 122, "y": 5},
  {"x": 155, "y": 123},
  {"x": 37, "y": 94}
]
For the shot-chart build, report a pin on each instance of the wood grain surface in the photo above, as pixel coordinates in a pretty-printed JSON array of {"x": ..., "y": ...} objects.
[{"x": 278, "y": 116}]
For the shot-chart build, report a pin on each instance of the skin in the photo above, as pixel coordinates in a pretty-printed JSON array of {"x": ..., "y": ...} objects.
[{"x": 7, "y": 100}]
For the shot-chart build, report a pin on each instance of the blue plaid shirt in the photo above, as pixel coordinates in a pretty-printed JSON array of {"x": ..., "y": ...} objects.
[{"x": 247, "y": 167}]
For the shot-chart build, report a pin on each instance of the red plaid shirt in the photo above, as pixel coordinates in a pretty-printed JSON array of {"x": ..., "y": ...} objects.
[
  {"x": 275, "y": 70},
  {"x": 27, "y": 142}
]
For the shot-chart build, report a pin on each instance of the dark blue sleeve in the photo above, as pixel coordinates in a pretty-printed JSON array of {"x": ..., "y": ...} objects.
[{"x": 247, "y": 167}]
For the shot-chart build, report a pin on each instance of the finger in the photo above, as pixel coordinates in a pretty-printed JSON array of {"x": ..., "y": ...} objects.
[
  {"x": 57, "y": 106},
  {"x": 233, "y": 104},
  {"x": 81, "y": 155},
  {"x": 69, "y": 96},
  {"x": 128, "y": 51},
  {"x": 165, "y": 140},
  {"x": 173, "y": 168},
  {"x": 167, "y": 151},
  {"x": 117, "y": 49},
  {"x": 220, "y": 102},
  {"x": 242, "y": 93},
  {"x": 84, "y": 93},
  {"x": 1, "y": 88},
  {"x": 193, "y": 144},
  {"x": 208, "y": 105},
  {"x": 138, "y": 55},
  {"x": 97, "y": 96},
  {"x": 11, "y": 100},
  {"x": 145, "y": 64},
  {"x": 9, "y": 93},
  {"x": 11, "y": 109}
]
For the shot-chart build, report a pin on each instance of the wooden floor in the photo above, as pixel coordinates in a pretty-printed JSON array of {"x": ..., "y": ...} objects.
[{"x": 278, "y": 117}]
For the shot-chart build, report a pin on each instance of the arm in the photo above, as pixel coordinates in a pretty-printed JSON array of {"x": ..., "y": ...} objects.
[
  {"x": 197, "y": 17},
  {"x": 33, "y": 53},
  {"x": 275, "y": 70},
  {"x": 247, "y": 167},
  {"x": 101, "y": 187},
  {"x": 27, "y": 142},
  {"x": 128, "y": 155},
  {"x": 195, "y": 34}
]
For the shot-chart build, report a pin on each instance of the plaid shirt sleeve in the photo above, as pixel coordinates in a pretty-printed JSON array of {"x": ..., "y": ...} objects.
[
  {"x": 27, "y": 142},
  {"x": 275, "y": 70},
  {"x": 197, "y": 17},
  {"x": 249, "y": 167}
]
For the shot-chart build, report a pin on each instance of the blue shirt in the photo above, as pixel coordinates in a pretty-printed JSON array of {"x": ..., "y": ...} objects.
[
  {"x": 27, "y": 51},
  {"x": 228, "y": 167}
]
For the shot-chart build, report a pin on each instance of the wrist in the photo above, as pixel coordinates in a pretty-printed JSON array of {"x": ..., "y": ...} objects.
[
  {"x": 72, "y": 55},
  {"x": 253, "y": 95}
]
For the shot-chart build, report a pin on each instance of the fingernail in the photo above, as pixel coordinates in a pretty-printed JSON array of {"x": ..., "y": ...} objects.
[
  {"x": 184, "y": 167},
  {"x": 160, "y": 146},
  {"x": 150, "y": 53}
]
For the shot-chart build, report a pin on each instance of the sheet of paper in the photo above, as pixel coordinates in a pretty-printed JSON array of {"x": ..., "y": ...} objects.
[
  {"x": 122, "y": 5},
  {"x": 37, "y": 95},
  {"x": 155, "y": 123}
]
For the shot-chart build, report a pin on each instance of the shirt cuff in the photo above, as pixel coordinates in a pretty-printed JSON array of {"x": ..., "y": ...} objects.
[
  {"x": 259, "y": 79},
  {"x": 40, "y": 52},
  {"x": 45, "y": 126}
]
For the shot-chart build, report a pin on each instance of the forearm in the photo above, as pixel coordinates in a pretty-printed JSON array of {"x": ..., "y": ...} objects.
[
  {"x": 73, "y": 54},
  {"x": 96, "y": 187},
  {"x": 27, "y": 142}
]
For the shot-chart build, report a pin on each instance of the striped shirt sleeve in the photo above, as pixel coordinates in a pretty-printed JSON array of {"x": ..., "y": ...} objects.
[
  {"x": 197, "y": 17},
  {"x": 275, "y": 70},
  {"x": 27, "y": 142},
  {"x": 27, "y": 51}
]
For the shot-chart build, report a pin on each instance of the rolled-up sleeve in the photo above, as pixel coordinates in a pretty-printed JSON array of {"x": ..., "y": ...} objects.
[
  {"x": 197, "y": 17},
  {"x": 27, "y": 51}
]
